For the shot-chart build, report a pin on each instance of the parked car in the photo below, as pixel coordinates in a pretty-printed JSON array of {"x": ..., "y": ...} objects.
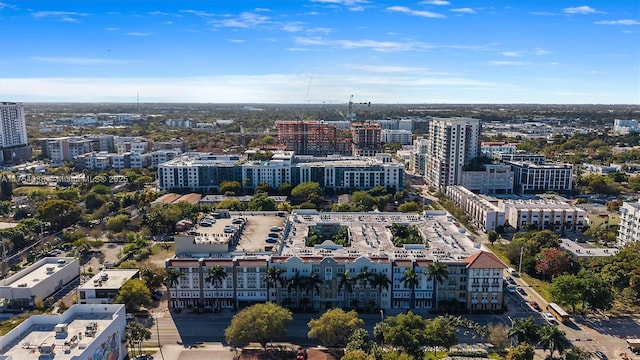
[
  {"x": 275, "y": 228},
  {"x": 271, "y": 240},
  {"x": 274, "y": 235},
  {"x": 510, "y": 280},
  {"x": 600, "y": 355},
  {"x": 143, "y": 357},
  {"x": 534, "y": 305},
  {"x": 521, "y": 291},
  {"x": 237, "y": 221}
]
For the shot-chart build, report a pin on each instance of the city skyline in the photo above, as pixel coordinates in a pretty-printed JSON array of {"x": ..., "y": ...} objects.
[{"x": 321, "y": 51}]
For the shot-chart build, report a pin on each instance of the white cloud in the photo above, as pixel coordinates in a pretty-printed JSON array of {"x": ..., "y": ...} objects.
[
  {"x": 76, "y": 60},
  {"x": 436, "y": 2},
  {"x": 406, "y": 10},
  {"x": 507, "y": 63},
  {"x": 543, "y": 13},
  {"x": 136, "y": 33},
  {"x": 157, "y": 13},
  {"x": 237, "y": 41},
  {"x": 511, "y": 54},
  {"x": 293, "y": 26},
  {"x": 386, "y": 68},
  {"x": 321, "y": 30},
  {"x": 383, "y": 46},
  {"x": 65, "y": 16},
  {"x": 540, "y": 51},
  {"x": 198, "y": 13},
  {"x": 7, "y": 6},
  {"x": 112, "y": 28},
  {"x": 618, "y": 22},
  {"x": 464, "y": 10},
  {"x": 244, "y": 20},
  {"x": 584, "y": 10},
  {"x": 341, "y": 2}
]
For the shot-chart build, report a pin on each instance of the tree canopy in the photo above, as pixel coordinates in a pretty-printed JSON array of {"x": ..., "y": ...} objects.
[
  {"x": 334, "y": 326},
  {"x": 258, "y": 323},
  {"x": 133, "y": 294}
]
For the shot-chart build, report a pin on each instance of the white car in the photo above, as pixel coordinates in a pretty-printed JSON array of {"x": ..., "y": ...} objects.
[{"x": 549, "y": 317}]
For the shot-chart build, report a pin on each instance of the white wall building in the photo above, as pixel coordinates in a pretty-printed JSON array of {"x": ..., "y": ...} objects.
[
  {"x": 39, "y": 281},
  {"x": 404, "y": 137},
  {"x": 494, "y": 179},
  {"x": 546, "y": 214},
  {"x": 624, "y": 127},
  {"x": 488, "y": 148},
  {"x": 13, "y": 128},
  {"x": 418, "y": 160},
  {"x": 485, "y": 215},
  {"x": 104, "y": 286},
  {"x": 530, "y": 178},
  {"x": 81, "y": 332},
  {"x": 453, "y": 143},
  {"x": 629, "y": 229}
]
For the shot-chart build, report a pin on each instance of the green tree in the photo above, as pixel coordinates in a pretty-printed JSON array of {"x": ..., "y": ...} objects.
[
  {"x": 118, "y": 223},
  {"x": 523, "y": 351},
  {"x": 499, "y": 336},
  {"x": 406, "y": 331},
  {"x": 380, "y": 280},
  {"x": 596, "y": 292},
  {"x": 345, "y": 283},
  {"x": 357, "y": 355},
  {"x": 231, "y": 204},
  {"x": 359, "y": 340},
  {"x": 409, "y": 207},
  {"x": 493, "y": 236},
  {"x": 438, "y": 272},
  {"x": 305, "y": 190},
  {"x": 363, "y": 201},
  {"x": 440, "y": 333},
  {"x": 68, "y": 194},
  {"x": 567, "y": 290},
  {"x": 173, "y": 279},
  {"x": 59, "y": 213},
  {"x": 273, "y": 278},
  {"x": 577, "y": 353},
  {"x": 133, "y": 294},
  {"x": 231, "y": 186},
  {"x": 525, "y": 330},
  {"x": 411, "y": 281},
  {"x": 259, "y": 323},
  {"x": 552, "y": 338},
  {"x": 135, "y": 335},
  {"x": 261, "y": 202},
  {"x": 334, "y": 326},
  {"x": 152, "y": 275},
  {"x": 395, "y": 355},
  {"x": 215, "y": 276}
]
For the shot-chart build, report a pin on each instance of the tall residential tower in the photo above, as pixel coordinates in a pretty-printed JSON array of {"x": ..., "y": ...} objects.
[
  {"x": 13, "y": 133},
  {"x": 452, "y": 144}
]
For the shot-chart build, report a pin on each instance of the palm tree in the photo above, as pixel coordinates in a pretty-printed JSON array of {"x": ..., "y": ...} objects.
[
  {"x": 380, "y": 280},
  {"x": 438, "y": 272},
  {"x": 173, "y": 278},
  {"x": 215, "y": 276},
  {"x": 552, "y": 338},
  {"x": 313, "y": 282},
  {"x": 410, "y": 280},
  {"x": 346, "y": 281},
  {"x": 274, "y": 278},
  {"x": 525, "y": 330},
  {"x": 363, "y": 277},
  {"x": 295, "y": 282},
  {"x": 135, "y": 334}
]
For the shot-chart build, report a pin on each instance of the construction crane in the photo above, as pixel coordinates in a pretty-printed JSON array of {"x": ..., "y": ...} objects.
[{"x": 351, "y": 116}]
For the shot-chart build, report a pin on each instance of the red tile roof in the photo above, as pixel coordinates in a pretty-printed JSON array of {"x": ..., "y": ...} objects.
[{"x": 484, "y": 260}]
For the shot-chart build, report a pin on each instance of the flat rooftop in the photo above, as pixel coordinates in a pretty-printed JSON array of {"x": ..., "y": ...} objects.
[
  {"x": 31, "y": 278},
  {"x": 584, "y": 250},
  {"x": 444, "y": 238},
  {"x": 110, "y": 279},
  {"x": 26, "y": 347}
]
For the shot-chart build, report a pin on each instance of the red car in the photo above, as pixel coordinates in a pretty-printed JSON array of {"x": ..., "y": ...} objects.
[
  {"x": 534, "y": 305},
  {"x": 301, "y": 354}
]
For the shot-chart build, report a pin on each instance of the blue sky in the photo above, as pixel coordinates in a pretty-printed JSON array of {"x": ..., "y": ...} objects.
[{"x": 430, "y": 51}]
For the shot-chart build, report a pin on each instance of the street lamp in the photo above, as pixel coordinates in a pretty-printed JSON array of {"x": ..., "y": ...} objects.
[
  {"x": 156, "y": 316},
  {"x": 520, "y": 262}
]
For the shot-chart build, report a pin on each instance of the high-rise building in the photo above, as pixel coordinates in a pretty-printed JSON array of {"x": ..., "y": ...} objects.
[
  {"x": 367, "y": 138},
  {"x": 308, "y": 138},
  {"x": 452, "y": 144},
  {"x": 629, "y": 229},
  {"x": 13, "y": 133}
]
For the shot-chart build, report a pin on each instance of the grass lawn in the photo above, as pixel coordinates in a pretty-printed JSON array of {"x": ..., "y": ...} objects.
[
  {"x": 439, "y": 355},
  {"x": 26, "y": 190},
  {"x": 541, "y": 287}
]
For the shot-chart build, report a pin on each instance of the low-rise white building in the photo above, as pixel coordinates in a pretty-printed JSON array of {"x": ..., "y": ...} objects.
[
  {"x": 624, "y": 127},
  {"x": 488, "y": 148},
  {"x": 485, "y": 215},
  {"x": 104, "y": 286},
  {"x": 81, "y": 332},
  {"x": 545, "y": 214},
  {"x": 494, "y": 179},
  {"x": 39, "y": 281},
  {"x": 531, "y": 178},
  {"x": 629, "y": 229},
  {"x": 404, "y": 137}
]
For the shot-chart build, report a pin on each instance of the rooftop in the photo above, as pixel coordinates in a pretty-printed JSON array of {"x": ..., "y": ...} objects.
[
  {"x": 38, "y": 272},
  {"x": 61, "y": 337},
  {"x": 110, "y": 279},
  {"x": 370, "y": 236}
]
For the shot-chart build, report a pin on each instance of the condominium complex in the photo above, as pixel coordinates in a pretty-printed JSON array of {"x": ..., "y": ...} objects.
[
  {"x": 13, "y": 133},
  {"x": 483, "y": 214},
  {"x": 493, "y": 179},
  {"x": 531, "y": 158},
  {"x": 488, "y": 148},
  {"x": 205, "y": 172},
  {"x": 402, "y": 137},
  {"x": 629, "y": 229},
  {"x": 545, "y": 214},
  {"x": 624, "y": 127},
  {"x": 418, "y": 157},
  {"x": 530, "y": 178},
  {"x": 326, "y": 274},
  {"x": 453, "y": 143}
]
